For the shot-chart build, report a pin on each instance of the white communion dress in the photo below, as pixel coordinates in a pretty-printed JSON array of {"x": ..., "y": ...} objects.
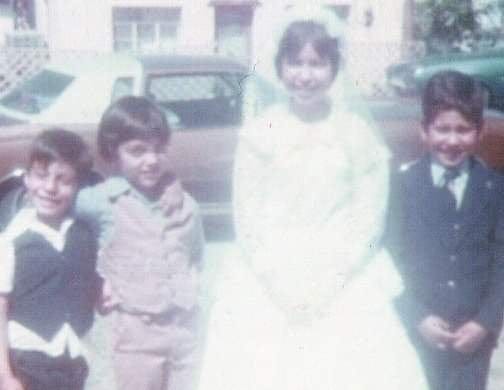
[{"x": 307, "y": 303}]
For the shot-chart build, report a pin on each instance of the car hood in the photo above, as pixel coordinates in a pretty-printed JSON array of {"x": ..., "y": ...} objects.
[
  {"x": 11, "y": 117},
  {"x": 442, "y": 59},
  {"x": 7, "y": 120}
]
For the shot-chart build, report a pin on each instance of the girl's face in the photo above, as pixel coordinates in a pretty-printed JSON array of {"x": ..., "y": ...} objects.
[{"x": 307, "y": 76}]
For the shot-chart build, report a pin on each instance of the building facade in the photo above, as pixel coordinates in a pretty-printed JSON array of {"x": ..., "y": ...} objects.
[{"x": 236, "y": 28}]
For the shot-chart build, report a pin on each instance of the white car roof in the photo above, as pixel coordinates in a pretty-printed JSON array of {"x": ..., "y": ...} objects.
[{"x": 78, "y": 64}]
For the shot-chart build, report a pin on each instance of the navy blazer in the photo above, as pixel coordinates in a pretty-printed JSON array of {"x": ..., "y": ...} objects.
[{"x": 452, "y": 265}]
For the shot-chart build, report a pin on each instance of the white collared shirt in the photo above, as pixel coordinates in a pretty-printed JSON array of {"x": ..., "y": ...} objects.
[
  {"x": 457, "y": 186},
  {"x": 19, "y": 336}
]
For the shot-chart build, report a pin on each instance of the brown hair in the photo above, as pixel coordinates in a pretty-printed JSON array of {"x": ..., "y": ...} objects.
[
  {"x": 452, "y": 90},
  {"x": 301, "y": 33}
]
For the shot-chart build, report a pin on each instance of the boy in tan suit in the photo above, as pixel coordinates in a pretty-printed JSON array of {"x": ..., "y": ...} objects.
[{"x": 151, "y": 248}]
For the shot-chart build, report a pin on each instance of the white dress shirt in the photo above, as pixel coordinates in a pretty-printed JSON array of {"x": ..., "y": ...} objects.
[{"x": 457, "y": 185}]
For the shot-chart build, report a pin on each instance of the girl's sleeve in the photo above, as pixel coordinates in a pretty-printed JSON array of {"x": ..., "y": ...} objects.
[
  {"x": 248, "y": 197},
  {"x": 365, "y": 216},
  {"x": 197, "y": 244},
  {"x": 359, "y": 230}
]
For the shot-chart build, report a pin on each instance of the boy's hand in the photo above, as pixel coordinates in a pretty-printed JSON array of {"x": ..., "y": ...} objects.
[
  {"x": 108, "y": 300},
  {"x": 436, "y": 332},
  {"x": 10, "y": 382},
  {"x": 468, "y": 337},
  {"x": 172, "y": 199}
]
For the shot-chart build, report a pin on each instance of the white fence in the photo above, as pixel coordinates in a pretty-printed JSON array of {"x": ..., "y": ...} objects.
[{"x": 17, "y": 64}]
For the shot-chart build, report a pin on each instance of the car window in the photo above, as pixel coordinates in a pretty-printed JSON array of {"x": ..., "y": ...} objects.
[
  {"x": 262, "y": 94},
  {"x": 37, "y": 93},
  {"x": 122, "y": 87},
  {"x": 198, "y": 101}
]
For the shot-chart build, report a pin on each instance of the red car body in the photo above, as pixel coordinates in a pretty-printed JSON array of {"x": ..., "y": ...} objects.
[{"x": 206, "y": 127}]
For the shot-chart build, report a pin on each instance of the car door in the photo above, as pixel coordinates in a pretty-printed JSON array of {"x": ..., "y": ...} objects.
[{"x": 204, "y": 110}]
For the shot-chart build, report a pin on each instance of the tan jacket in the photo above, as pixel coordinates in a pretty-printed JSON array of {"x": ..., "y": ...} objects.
[{"x": 153, "y": 258}]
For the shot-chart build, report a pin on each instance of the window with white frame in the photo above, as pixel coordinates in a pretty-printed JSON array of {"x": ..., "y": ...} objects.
[
  {"x": 233, "y": 29},
  {"x": 145, "y": 29}
]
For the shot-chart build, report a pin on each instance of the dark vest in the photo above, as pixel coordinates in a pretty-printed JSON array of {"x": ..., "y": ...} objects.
[{"x": 51, "y": 287}]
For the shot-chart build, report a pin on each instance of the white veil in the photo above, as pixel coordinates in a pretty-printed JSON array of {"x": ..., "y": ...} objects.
[{"x": 264, "y": 88}]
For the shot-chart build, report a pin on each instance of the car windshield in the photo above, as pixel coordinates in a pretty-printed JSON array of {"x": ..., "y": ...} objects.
[
  {"x": 199, "y": 100},
  {"x": 37, "y": 93}
]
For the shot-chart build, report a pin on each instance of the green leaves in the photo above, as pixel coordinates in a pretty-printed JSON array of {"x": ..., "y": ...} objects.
[{"x": 446, "y": 25}]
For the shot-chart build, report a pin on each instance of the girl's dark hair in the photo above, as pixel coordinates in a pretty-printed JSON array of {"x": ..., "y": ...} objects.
[
  {"x": 298, "y": 35},
  {"x": 57, "y": 144},
  {"x": 452, "y": 90},
  {"x": 130, "y": 117}
]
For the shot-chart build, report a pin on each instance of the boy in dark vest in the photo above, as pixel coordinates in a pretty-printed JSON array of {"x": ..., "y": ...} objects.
[
  {"x": 446, "y": 233},
  {"x": 48, "y": 284}
]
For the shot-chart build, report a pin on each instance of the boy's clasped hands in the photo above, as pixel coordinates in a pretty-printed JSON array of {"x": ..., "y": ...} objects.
[{"x": 465, "y": 339}]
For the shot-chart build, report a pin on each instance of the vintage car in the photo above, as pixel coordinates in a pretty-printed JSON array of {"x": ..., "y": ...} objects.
[
  {"x": 201, "y": 95},
  {"x": 409, "y": 78},
  {"x": 204, "y": 101},
  {"x": 78, "y": 89}
]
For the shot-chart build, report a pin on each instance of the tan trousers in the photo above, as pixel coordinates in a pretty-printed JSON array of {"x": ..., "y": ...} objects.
[{"x": 157, "y": 353}]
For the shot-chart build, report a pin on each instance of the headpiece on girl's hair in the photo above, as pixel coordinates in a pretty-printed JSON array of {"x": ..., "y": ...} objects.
[
  {"x": 324, "y": 16},
  {"x": 264, "y": 66},
  {"x": 265, "y": 58}
]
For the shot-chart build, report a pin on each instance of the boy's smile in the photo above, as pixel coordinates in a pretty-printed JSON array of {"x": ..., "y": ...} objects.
[
  {"x": 451, "y": 138},
  {"x": 141, "y": 163},
  {"x": 52, "y": 188}
]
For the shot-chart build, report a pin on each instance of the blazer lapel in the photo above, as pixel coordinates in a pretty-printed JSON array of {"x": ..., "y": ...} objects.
[
  {"x": 476, "y": 195},
  {"x": 423, "y": 193}
]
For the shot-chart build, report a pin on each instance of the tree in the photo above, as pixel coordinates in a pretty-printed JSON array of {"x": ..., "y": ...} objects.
[{"x": 444, "y": 25}]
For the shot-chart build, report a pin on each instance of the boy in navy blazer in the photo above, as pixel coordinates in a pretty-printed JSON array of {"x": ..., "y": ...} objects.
[{"x": 446, "y": 233}]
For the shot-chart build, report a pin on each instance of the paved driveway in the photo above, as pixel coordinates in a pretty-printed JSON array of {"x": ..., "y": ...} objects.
[
  {"x": 101, "y": 374},
  {"x": 100, "y": 336},
  {"x": 496, "y": 381}
]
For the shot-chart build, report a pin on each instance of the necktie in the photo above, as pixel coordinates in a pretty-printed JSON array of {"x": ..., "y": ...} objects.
[{"x": 449, "y": 177}]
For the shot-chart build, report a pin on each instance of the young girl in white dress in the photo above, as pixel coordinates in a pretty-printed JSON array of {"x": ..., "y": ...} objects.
[{"x": 308, "y": 304}]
